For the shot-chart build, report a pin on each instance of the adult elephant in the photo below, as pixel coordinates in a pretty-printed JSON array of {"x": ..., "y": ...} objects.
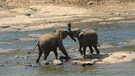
[
  {"x": 50, "y": 42},
  {"x": 86, "y": 38}
]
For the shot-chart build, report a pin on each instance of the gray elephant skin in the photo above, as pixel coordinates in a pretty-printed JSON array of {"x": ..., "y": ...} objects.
[
  {"x": 86, "y": 38},
  {"x": 50, "y": 42}
]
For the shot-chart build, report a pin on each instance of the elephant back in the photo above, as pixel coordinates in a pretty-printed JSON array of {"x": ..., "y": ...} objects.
[
  {"x": 46, "y": 38},
  {"x": 89, "y": 36},
  {"x": 89, "y": 31}
]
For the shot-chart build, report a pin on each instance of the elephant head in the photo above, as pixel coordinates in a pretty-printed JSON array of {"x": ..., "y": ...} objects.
[
  {"x": 74, "y": 33},
  {"x": 62, "y": 34}
]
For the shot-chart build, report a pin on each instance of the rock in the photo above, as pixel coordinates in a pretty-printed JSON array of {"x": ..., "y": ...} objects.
[
  {"x": 24, "y": 57},
  {"x": 54, "y": 62},
  {"x": 91, "y": 62},
  {"x": 57, "y": 62}
]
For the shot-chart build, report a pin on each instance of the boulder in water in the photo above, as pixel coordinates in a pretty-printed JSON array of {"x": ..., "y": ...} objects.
[
  {"x": 80, "y": 62},
  {"x": 57, "y": 62}
]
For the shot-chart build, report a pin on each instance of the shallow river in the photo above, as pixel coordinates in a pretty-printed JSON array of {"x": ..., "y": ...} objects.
[{"x": 112, "y": 37}]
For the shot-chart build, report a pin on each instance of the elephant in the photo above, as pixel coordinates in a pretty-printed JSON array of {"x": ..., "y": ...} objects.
[
  {"x": 50, "y": 42},
  {"x": 86, "y": 38}
]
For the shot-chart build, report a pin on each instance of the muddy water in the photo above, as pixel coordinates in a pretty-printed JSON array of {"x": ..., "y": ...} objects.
[{"x": 15, "y": 46}]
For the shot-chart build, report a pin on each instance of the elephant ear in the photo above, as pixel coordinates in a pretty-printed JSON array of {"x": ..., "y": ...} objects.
[{"x": 62, "y": 34}]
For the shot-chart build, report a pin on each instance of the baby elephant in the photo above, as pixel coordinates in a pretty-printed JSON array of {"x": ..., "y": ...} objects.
[
  {"x": 86, "y": 38},
  {"x": 50, "y": 42}
]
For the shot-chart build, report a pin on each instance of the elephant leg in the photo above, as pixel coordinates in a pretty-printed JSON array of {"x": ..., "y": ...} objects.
[
  {"x": 91, "y": 49},
  {"x": 46, "y": 54},
  {"x": 61, "y": 47},
  {"x": 84, "y": 52},
  {"x": 80, "y": 50},
  {"x": 39, "y": 54},
  {"x": 56, "y": 54},
  {"x": 97, "y": 51}
]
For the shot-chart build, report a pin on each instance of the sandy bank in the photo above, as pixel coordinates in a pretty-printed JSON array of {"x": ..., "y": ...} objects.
[{"x": 48, "y": 16}]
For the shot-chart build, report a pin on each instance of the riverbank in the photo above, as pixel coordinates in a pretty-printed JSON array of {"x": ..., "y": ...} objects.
[{"x": 54, "y": 16}]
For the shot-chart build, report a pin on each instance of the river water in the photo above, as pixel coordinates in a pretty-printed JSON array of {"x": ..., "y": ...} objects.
[{"x": 15, "y": 46}]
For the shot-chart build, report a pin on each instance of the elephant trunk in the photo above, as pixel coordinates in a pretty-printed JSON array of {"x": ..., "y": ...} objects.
[{"x": 69, "y": 27}]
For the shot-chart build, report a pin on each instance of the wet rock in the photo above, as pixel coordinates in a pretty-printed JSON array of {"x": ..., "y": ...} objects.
[
  {"x": 53, "y": 62},
  {"x": 23, "y": 57},
  {"x": 57, "y": 62},
  {"x": 83, "y": 63}
]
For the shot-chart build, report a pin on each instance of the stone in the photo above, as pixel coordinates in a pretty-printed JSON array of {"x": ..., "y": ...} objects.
[
  {"x": 80, "y": 62},
  {"x": 57, "y": 62}
]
